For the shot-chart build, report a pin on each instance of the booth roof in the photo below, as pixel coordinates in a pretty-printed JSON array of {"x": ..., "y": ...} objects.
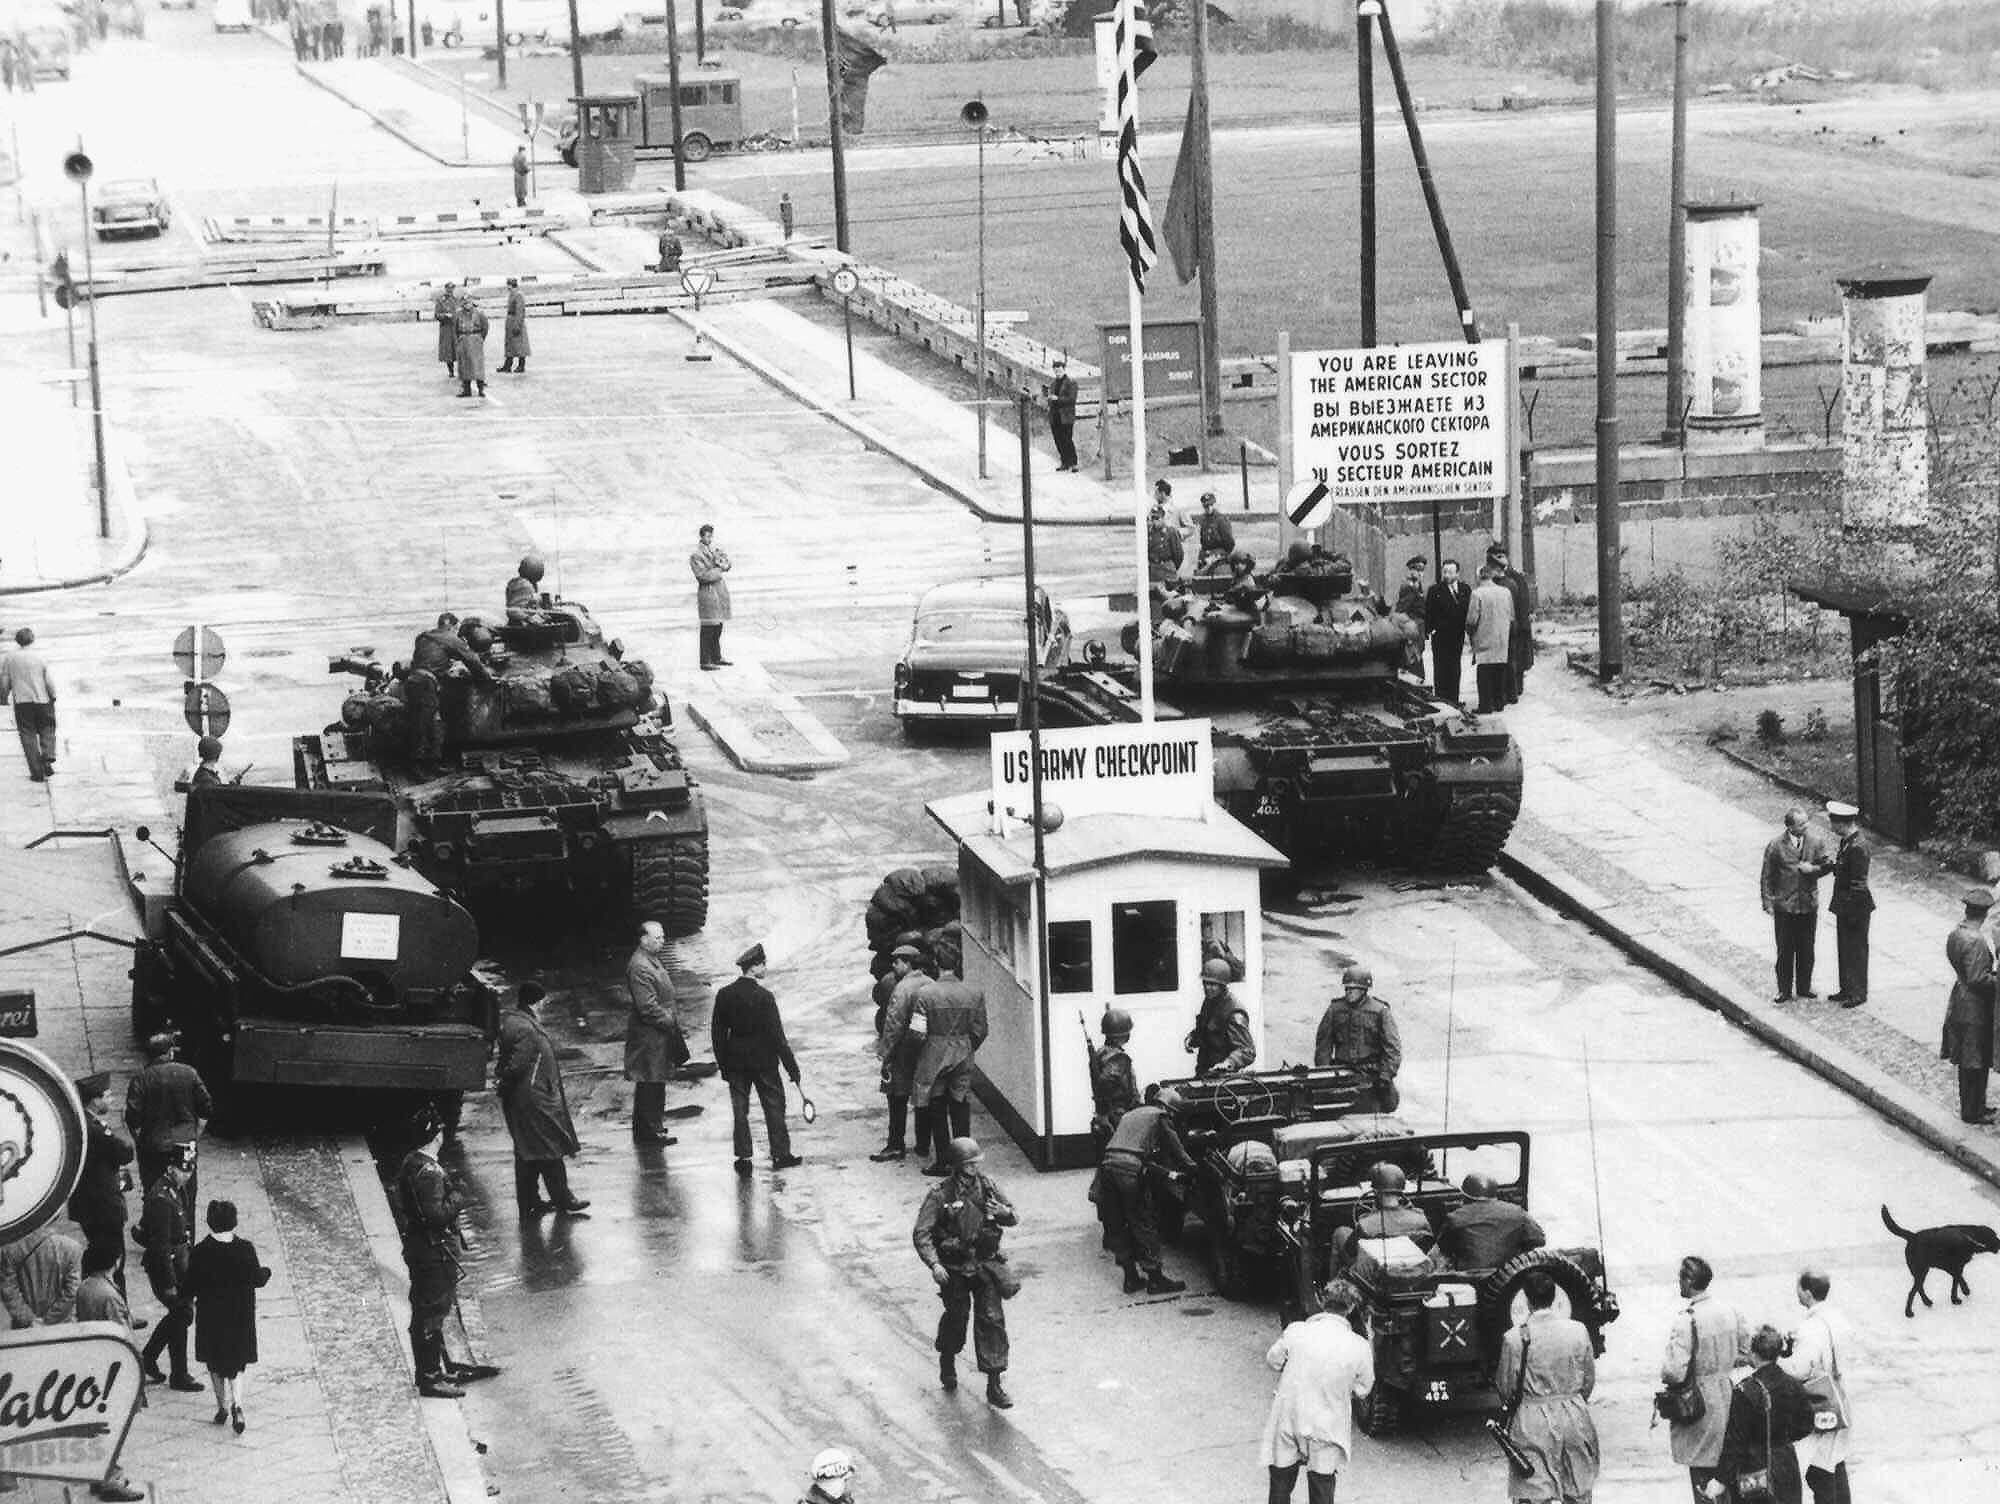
[{"x": 1093, "y": 840}]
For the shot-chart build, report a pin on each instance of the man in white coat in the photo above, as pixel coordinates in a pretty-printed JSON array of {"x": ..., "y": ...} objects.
[
  {"x": 1815, "y": 1361},
  {"x": 1489, "y": 626},
  {"x": 1323, "y": 1367}
]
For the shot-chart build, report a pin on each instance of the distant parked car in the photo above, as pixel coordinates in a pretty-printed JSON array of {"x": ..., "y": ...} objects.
[
  {"x": 233, "y": 15},
  {"x": 968, "y": 650},
  {"x": 130, "y": 206},
  {"x": 47, "y": 51}
]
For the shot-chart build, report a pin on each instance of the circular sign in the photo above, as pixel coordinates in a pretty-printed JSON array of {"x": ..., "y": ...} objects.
[
  {"x": 206, "y": 709},
  {"x": 1309, "y": 504},
  {"x": 845, "y": 282},
  {"x": 42, "y": 1135},
  {"x": 208, "y": 663},
  {"x": 696, "y": 280},
  {"x": 77, "y": 167}
]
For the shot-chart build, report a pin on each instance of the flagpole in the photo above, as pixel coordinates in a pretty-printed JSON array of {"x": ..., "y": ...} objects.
[{"x": 1135, "y": 317}]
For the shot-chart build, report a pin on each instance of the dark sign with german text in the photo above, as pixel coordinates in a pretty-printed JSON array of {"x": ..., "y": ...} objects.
[
  {"x": 1173, "y": 359},
  {"x": 17, "y": 1013}
]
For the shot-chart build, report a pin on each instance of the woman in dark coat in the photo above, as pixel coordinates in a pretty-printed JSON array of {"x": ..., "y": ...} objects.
[
  {"x": 536, "y": 1109},
  {"x": 224, "y": 1276},
  {"x": 1768, "y": 1411}
]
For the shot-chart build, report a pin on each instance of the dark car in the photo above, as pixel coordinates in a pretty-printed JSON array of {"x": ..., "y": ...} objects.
[
  {"x": 968, "y": 650},
  {"x": 130, "y": 206}
]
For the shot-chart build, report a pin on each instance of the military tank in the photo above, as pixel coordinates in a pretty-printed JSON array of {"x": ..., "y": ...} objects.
[
  {"x": 561, "y": 775},
  {"x": 1325, "y": 744}
]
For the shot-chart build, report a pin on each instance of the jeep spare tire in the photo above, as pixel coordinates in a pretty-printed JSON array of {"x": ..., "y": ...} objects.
[{"x": 1502, "y": 1303}]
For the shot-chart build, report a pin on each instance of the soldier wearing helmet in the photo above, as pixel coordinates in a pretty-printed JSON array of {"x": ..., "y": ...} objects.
[
  {"x": 958, "y": 1237},
  {"x": 524, "y": 591},
  {"x": 1114, "y": 1088},
  {"x": 1143, "y": 1148},
  {"x": 427, "y": 1205},
  {"x": 1243, "y": 592},
  {"x": 1390, "y": 1215},
  {"x": 832, "y": 1479},
  {"x": 1358, "y": 1030},
  {"x": 1485, "y": 1232},
  {"x": 209, "y": 750},
  {"x": 1220, "y": 1040}
]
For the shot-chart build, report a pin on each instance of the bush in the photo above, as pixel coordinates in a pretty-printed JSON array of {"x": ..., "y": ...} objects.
[
  {"x": 1770, "y": 729},
  {"x": 1815, "y": 729}
]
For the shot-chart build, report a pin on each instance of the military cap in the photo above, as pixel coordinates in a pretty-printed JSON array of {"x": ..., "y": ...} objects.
[
  {"x": 94, "y": 1085},
  {"x": 906, "y": 953},
  {"x": 1978, "y": 899},
  {"x": 754, "y": 956},
  {"x": 1839, "y": 810}
]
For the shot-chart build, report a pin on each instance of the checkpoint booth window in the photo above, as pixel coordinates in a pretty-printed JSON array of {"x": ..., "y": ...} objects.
[
  {"x": 1142, "y": 871},
  {"x": 607, "y": 141}
]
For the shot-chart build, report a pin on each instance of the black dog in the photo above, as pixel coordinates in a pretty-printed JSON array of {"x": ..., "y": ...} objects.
[{"x": 1949, "y": 1248}]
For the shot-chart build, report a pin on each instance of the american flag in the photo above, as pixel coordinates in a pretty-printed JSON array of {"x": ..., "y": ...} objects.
[{"x": 1134, "y": 41}]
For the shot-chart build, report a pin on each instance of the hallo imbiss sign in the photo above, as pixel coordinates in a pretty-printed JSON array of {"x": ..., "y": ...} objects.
[
  {"x": 1165, "y": 769},
  {"x": 1403, "y": 422}
]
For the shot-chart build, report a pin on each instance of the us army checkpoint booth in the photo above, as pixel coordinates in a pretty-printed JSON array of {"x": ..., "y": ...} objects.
[{"x": 1143, "y": 868}]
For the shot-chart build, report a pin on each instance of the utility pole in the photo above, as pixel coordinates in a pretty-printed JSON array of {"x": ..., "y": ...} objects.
[
  {"x": 1610, "y": 589},
  {"x": 836, "y": 127},
  {"x": 700, "y": 33},
  {"x": 1204, "y": 230},
  {"x": 1364, "y": 60},
  {"x": 1677, "y": 236},
  {"x": 674, "y": 83},
  {"x": 500, "y": 35},
  {"x": 575, "y": 56}
]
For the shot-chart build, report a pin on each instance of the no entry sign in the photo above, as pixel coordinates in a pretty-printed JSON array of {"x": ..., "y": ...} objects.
[{"x": 1396, "y": 422}]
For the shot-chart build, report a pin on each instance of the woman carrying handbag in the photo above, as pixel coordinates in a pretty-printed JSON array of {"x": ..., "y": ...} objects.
[{"x": 1768, "y": 1411}]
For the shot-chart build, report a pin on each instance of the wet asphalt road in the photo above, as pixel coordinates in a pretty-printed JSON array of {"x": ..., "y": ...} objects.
[{"x": 700, "y": 1337}]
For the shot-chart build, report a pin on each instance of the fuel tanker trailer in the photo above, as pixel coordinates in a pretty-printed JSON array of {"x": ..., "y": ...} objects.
[{"x": 297, "y": 952}]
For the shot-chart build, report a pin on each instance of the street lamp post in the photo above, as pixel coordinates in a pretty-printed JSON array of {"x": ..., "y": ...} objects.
[
  {"x": 77, "y": 168},
  {"x": 974, "y": 114}
]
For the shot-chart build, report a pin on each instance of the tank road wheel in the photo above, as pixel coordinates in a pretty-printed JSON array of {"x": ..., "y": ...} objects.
[
  {"x": 1380, "y": 1413},
  {"x": 670, "y": 883},
  {"x": 1473, "y": 830}
]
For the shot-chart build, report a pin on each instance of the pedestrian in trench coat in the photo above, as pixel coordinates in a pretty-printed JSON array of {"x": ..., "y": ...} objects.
[
  {"x": 472, "y": 326},
  {"x": 515, "y": 352},
  {"x": 444, "y": 309},
  {"x": 1547, "y": 1371},
  {"x": 710, "y": 565},
  {"x": 536, "y": 1108},
  {"x": 1968, "y": 1021},
  {"x": 1714, "y": 1332}
]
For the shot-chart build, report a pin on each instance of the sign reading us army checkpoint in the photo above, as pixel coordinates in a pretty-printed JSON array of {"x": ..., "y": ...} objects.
[
  {"x": 1165, "y": 769},
  {"x": 1403, "y": 422}
]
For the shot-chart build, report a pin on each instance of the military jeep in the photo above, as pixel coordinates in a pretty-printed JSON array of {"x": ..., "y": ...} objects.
[{"x": 1436, "y": 1330}]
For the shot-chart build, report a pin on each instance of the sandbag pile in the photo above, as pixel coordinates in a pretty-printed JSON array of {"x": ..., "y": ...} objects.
[{"x": 915, "y": 906}]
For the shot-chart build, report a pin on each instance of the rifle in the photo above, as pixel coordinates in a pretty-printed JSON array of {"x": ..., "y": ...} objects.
[{"x": 1089, "y": 1048}]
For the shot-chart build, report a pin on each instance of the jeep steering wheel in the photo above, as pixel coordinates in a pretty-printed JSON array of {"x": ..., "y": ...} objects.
[{"x": 1238, "y": 1097}]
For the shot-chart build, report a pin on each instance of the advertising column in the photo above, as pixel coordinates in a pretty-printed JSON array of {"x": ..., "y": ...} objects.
[
  {"x": 1885, "y": 424},
  {"x": 1722, "y": 358}
]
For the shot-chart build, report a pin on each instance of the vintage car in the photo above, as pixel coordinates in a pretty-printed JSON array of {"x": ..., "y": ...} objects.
[
  {"x": 47, "y": 50},
  {"x": 968, "y": 651},
  {"x": 130, "y": 206}
]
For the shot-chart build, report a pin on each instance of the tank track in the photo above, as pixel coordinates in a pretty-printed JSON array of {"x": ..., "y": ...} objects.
[
  {"x": 1473, "y": 831},
  {"x": 670, "y": 883}
]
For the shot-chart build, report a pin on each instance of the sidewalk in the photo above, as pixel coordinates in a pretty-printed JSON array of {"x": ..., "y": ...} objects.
[
  {"x": 394, "y": 93},
  {"x": 48, "y": 517},
  {"x": 1665, "y": 863}
]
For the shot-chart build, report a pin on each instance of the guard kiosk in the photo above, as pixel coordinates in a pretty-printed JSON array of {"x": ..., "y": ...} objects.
[
  {"x": 607, "y": 141},
  {"x": 1142, "y": 869}
]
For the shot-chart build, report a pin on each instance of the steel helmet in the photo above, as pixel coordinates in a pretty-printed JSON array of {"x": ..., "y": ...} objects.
[
  {"x": 832, "y": 1463},
  {"x": 1116, "y": 1021},
  {"x": 1216, "y": 970},
  {"x": 965, "y": 1152},
  {"x": 1386, "y": 1178},
  {"x": 208, "y": 749},
  {"x": 532, "y": 568},
  {"x": 1357, "y": 975}
]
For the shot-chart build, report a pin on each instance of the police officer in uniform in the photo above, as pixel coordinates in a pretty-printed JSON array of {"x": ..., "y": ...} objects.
[
  {"x": 1114, "y": 1088},
  {"x": 1358, "y": 1030},
  {"x": 1220, "y": 1039},
  {"x": 958, "y": 1237},
  {"x": 165, "y": 1106},
  {"x": 1850, "y": 904},
  {"x": 427, "y": 1206},
  {"x": 1142, "y": 1146}
]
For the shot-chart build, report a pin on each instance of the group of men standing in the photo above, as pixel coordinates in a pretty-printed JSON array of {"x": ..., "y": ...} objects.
[
  {"x": 1794, "y": 862},
  {"x": 1495, "y": 618},
  {"x": 462, "y": 327}
]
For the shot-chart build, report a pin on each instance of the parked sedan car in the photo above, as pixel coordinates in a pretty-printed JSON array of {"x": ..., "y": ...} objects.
[
  {"x": 968, "y": 650},
  {"x": 130, "y": 206}
]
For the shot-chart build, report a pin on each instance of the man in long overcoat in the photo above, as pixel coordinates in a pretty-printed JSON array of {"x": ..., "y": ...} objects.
[
  {"x": 1521, "y": 634},
  {"x": 897, "y": 1048},
  {"x": 471, "y": 323},
  {"x": 536, "y": 1108},
  {"x": 444, "y": 309},
  {"x": 1968, "y": 1020},
  {"x": 1548, "y": 1367},
  {"x": 710, "y": 566},
  {"x": 165, "y": 1107},
  {"x": 653, "y": 1035},
  {"x": 1709, "y": 1339},
  {"x": 97, "y": 1205},
  {"x": 1445, "y": 605},
  {"x": 515, "y": 351},
  {"x": 1489, "y": 620},
  {"x": 1851, "y": 903},
  {"x": 521, "y": 171},
  {"x": 954, "y": 1027}
]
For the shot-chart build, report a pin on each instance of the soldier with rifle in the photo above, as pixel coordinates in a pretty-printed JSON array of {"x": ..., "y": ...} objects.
[
  {"x": 1114, "y": 1088},
  {"x": 427, "y": 1205}
]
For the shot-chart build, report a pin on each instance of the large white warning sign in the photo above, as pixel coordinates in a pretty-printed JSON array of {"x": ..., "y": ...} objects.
[{"x": 1416, "y": 422}]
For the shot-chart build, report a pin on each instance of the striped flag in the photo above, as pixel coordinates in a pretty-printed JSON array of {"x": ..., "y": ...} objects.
[{"x": 1133, "y": 38}]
